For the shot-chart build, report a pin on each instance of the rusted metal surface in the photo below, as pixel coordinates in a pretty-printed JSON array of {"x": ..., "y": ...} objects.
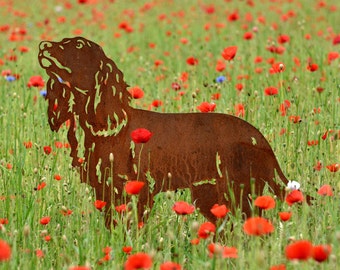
[{"x": 214, "y": 155}]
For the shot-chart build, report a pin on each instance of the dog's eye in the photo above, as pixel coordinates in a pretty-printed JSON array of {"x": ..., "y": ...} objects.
[{"x": 79, "y": 45}]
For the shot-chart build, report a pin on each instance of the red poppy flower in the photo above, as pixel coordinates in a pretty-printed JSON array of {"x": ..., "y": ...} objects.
[
  {"x": 240, "y": 110},
  {"x": 39, "y": 253},
  {"x": 134, "y": 187},
  {"x": 257, "y": 226},
  {"x": 332, "y": 56},
  {"x": 265, "y": 202},
  {"x": 333, "y": 167},
  {"x": 219, "y": 211},
  {"x": 141, "y": 135},
  {"x": 299, "y": 250},
  {"x": 157, "y": 103},
  {"x": 183, "y": 208},
  {"x": 312, "y": 67},
  {"x": 28, "y": 144},
  {"x": 295, "y": 196},
  {"x": 206, "y": 229},
  {"x": 5, "y": 251},
  {"x": 80, "y": 268},
  {"x": 45, "y": 220},
  {"x": 3, "y": 221},
  {"x": 278, "y": 267},
  {"x": 206, "y": 107},
  {"x": 170, "y": 266},
  {"x": 47, "y": 150},
  {"x": 295, "y": 119},
  {"x": 225, "y": 252},
  {"x": 99, "y": 204},
  {"x": 138, "y": 261},
  {"x": 220, "y": 66},
  {"x": 41, "y": 186},
  {"x": 66, "y": 212},
  {"x": 120, "y": 208},
  {"x": 57, "y": 177},
  {"x": 271, "y": 91},
  {"x": 283, "y": 39},
  {"x": 285, "y": 216},
  {"x": 325, "y": 190},
  {"x": 318, "y": 166},
  {"x": 229, "y": 53},
  {"x": 127, "y": 249},
  {"x": 192, "y": 61},
  {"x": 136, "y": 92},
  {"x": 277, "y": 68},
  {"x": 36, "y": 81},
  {"x": 321, "y": 252}
]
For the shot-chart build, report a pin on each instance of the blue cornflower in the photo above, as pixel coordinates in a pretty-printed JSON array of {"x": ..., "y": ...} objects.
[
  {"x": 10, "y": 78},
  {"x": 220, "y": 79},
  {"x": 43, "y": 93}
]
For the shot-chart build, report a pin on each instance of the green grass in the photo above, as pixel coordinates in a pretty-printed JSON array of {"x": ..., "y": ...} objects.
[{"x": 78, "y": 239}]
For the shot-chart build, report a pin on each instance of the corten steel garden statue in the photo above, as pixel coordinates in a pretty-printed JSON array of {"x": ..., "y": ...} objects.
[{"x": 214, "y": 155}]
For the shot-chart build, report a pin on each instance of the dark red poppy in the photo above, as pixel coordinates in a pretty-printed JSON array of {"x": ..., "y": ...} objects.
[
  {"x": 277, "y": 67},
  {"x": 99, "y": 204},
  {"x": 192, "y": 61},
  {"x": 183, "y": 208},
  {"x": 47, "y": 149},
  {"x": 138, "y": 261},
  {"x": 285, "y": 216},
  {"x": 36, "y": 81},
  {"x": 219, "y": 211},
  {"x": 271, "y": 91},
  {"x": 136, "y": 92},
  {"x": 141, "y": 135},
  {"x": 321, "y": 252},
  {"x": 206, "y": 107},
  {"x": 299, "y": 250},
  {"x": 325, "y": 190},
  {"x": 5, "y": 251},
  {"x": 265, "y": 202},
  {"x": 336, "y": 40},
  {"x": 229, "y": 53},
  {"x": 295, "y": 196},
  {"x": 134, "y": 187},
  {"x": 257, "y": 226},
  {"x": 170, "y": 266},
  {"x": 206, "y": 229}
]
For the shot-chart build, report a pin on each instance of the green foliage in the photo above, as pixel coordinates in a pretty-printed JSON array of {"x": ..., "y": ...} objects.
[{"x": 78, "y": 238}]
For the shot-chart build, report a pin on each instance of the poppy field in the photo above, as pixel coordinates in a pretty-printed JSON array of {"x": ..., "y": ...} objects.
[{"x": 273, "y": 63}]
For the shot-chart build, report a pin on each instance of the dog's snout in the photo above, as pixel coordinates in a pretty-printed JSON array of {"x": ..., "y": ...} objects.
[{"x": 45, "y": 45}]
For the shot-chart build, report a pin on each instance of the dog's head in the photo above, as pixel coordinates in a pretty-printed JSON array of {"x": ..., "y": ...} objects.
[
  {"x": 73, "y": 60},
  {"x": 83, "y": 81}
]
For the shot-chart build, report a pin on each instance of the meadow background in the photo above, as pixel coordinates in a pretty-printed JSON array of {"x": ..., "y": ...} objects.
[{"x": 172, "y": 51}]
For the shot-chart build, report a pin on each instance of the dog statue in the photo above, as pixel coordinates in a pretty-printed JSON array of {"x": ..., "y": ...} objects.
[{"x": 221, "y": 158}]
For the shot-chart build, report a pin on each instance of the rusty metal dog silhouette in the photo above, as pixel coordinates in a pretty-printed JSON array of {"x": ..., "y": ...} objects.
[{"x": 222, "y": 159}]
